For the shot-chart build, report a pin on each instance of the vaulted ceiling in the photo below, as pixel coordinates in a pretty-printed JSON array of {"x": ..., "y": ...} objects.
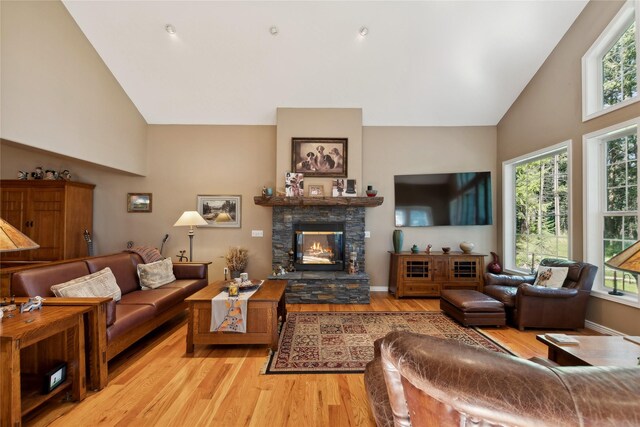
[{"x": 422, "y": 63}]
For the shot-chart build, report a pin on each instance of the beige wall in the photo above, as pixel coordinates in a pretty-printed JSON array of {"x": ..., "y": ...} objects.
[
  {"x": 184, "y": 161},
  {"x": 321, "y": 123},
  {"x": 58, "y": 95},
  {"x": 549, "y": 111},
  {"x": 389, "y": 151}
]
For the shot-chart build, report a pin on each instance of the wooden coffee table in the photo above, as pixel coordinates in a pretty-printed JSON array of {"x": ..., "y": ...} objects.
[
  {"x": 594, "y": 351},
  {"x": 263, "y": 310}
]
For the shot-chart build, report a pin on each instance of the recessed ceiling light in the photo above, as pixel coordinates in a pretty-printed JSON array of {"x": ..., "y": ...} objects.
[
  {"x": 170, "y": 29},
  {"x": 273, "y": 30},
  {"x": 364, "y": 31}
]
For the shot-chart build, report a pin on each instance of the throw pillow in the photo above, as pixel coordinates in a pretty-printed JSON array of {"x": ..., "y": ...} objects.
[
  {"x": 551, "y": 277},
  {"x": 156, "y": 274},
  {"x": 99, "y": 284}
]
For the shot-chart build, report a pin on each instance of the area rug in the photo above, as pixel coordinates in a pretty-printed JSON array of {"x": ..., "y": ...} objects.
[{"x": 339, "y": 342}]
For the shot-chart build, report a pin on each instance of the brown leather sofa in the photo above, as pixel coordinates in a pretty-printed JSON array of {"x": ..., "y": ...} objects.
[
  {"x": 529, "y": 306},
  {"x": 420, "y": 380},
  {"x": 124, "y": 322}
]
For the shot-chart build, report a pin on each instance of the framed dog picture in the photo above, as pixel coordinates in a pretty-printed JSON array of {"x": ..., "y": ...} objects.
[
  {"x": 324, "y": 157},
  {"x": 316, "y": 191}
]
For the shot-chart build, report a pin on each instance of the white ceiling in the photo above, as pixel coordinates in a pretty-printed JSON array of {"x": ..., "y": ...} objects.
[{"x": 423, "y": 63}]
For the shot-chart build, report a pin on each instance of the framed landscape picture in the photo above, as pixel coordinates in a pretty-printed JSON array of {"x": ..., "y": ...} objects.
[
  {"x": 324, "y": 157},
  {"x": 220, "y": 211},
  {"x": 139, "y": 202}
]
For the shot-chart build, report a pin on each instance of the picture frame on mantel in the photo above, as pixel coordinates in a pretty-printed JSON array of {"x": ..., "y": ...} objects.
[{"x": 319, "y": 157}]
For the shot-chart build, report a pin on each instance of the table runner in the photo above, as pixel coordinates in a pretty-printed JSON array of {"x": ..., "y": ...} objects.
[{"x": 229, "y": 314}]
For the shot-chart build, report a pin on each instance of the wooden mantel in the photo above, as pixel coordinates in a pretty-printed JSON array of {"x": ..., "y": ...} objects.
[{"x": 367, "y": 202}]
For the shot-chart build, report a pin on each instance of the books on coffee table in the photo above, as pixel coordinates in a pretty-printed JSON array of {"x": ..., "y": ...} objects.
[{"x": 562, "y": 339}]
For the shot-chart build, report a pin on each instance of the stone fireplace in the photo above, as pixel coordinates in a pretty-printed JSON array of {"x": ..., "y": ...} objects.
[{"x": 322, "y": 232}]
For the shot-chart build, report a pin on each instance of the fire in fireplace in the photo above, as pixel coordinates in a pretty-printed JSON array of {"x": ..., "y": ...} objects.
[{"x": 319, "y": 246}]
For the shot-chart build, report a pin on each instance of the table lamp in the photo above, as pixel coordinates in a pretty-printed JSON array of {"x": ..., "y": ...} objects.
[
  {"x": 190, "y": 218},
  {"x": 628, "y": 261},
  {"x": 12, "y": 240}
]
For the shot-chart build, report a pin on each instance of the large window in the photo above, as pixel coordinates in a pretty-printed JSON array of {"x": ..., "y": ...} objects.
[
  {"x": 611, "y": 204},
  {"x": 536, "y": 213},
  {"x": 609, "y": 68}
]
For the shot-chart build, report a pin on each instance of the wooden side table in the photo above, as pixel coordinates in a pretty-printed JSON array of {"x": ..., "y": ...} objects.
[{"x": 30, "y": 345}]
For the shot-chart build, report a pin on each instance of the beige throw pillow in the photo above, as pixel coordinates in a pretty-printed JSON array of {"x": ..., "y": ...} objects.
[
  {"x": 99, "y": 284},
  {"x": 551, "y": 277},
  {"x": 156, "y": 274}
]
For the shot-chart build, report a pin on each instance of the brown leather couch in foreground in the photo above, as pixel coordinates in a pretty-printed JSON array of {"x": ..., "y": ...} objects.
[
  {"x": 420, "y": 380},
  {"x": 529, "y": 306},
  {"x": 118, "y": 325}
]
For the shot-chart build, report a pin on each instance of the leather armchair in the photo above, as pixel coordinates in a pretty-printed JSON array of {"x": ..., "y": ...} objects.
[
  {"x": 529, "y": 306},
  {"x": 420, "y": 380}
]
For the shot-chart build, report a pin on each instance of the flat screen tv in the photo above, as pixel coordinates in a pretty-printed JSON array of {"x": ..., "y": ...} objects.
[{"x": 443, "y": 199}]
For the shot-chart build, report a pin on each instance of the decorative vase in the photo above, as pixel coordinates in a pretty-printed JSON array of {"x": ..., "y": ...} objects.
[
  {"x": 494, "y": 266},
  {"x": 414, "y": 249},
  {"x": 467, "y": 247},
  {"x": 398, "y": 237},
  {"x": 235, "y": 274}
]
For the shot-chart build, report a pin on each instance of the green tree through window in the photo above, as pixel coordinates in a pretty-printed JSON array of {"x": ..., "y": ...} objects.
[
  {"x": 542, "y": 206},
  {"x": 620, "y": 218},
  {"x": 619, "y": 69}
]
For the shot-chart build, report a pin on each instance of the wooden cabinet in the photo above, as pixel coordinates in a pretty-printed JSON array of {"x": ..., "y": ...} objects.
[
  {"x": 54, "y": 214},
  {"x": 427, "y": 274}
]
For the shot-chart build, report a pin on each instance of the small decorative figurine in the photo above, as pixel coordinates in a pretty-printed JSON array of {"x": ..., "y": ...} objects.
[
  {"x": 414, "y": 249},
  {"x": 34, "y": 303},
  {"x": 37, "y": 174},
  {"x": 65, "y": 175},
  {"x": 182, "y": 257},
  {"x": 50, "y": 174},
  {"x": 291, "y": 267},
  {"x": 428, "y": 250},
  {"x": 23, "y": 176}
]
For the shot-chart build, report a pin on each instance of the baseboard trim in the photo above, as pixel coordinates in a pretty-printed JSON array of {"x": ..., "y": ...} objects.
[
  {"x": 602, "y": 329},
  {"x": 378, "y": 289}
]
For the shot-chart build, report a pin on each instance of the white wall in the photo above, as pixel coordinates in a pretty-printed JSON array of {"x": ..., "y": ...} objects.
[{"x": 57, "y": 94}]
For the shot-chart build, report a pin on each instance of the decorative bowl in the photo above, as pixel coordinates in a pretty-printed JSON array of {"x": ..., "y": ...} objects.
[
  {"x": 467, "y": 247},
  {"x": 446, "y": 249},
  {"x": 372, "y": 193}
]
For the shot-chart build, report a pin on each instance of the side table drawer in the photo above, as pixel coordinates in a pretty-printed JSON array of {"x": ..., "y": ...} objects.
[{"x": 422, "y": 289}]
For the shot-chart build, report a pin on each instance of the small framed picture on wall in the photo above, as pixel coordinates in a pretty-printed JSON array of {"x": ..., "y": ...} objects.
[{"x": 139, "y": 202}]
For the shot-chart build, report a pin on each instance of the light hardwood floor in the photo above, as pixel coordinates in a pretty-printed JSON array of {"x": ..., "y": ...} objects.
[{"x": 154, "y": 383}]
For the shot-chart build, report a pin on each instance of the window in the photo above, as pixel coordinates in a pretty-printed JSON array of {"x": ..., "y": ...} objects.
[
  {"x": 609, "y": 68},
  {"x": 611, "y": 205},
  {"x": 536, "y": 208}
]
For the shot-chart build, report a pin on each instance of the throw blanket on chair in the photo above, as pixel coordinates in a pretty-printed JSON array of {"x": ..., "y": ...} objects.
[{"x": 147, "y": 253}]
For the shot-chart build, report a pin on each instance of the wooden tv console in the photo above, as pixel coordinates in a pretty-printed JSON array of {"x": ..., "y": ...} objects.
[{"x": 422, "y": 274}]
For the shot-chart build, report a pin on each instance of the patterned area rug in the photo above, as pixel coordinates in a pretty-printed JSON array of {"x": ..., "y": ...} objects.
[{"x": 330, "y": 342}]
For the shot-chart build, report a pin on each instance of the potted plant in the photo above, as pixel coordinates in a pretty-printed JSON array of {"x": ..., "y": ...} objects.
[{"x": 237, "y": 259}]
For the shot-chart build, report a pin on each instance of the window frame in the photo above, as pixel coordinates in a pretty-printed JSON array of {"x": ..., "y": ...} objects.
[
  {"x": 509, "y": 204},
  {"x": 594, "y": 186},
  {"x": 592, "y": 86}
]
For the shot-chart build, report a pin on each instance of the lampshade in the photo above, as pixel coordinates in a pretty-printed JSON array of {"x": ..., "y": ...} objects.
[
  {"x": 190, "y": 218},
  {"x": 12, "y": 240},
  {"x": 627, "y": 260}
]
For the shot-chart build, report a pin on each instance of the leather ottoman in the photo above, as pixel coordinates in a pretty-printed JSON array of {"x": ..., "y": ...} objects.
[{"x": 472, "y": 308}]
